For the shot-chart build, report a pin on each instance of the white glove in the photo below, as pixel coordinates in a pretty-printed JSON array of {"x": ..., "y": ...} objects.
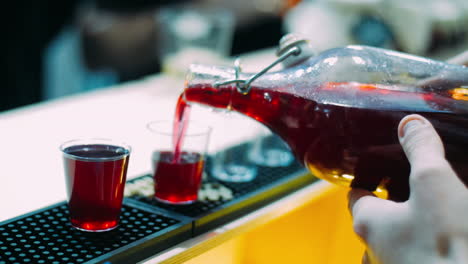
[{"x": 432, "y": 226}]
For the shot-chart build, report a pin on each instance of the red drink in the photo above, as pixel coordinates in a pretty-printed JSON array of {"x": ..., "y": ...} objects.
[
  {"x": 180, "y": 127},
  {"x": 95, "y": 179},
  {"x": 346, "y": 133},
  {"x": 177, "y": 182}
]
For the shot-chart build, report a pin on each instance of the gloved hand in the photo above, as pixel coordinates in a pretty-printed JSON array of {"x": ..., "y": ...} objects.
[{"x": 432, "y": 225}]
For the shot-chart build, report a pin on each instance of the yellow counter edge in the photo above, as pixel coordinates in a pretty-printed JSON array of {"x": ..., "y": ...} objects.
[{"x": 311, "y": 225}]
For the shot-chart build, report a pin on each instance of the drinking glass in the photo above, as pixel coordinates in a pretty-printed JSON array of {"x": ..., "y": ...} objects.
[
  {"x": 95, "y": 175},
  {"x": 230, "y": 163},
  {"x": 178, "y": 171},
  {"x": 233, "y": 166},
  {"x": 270, "y": 150},
  {"x": 193, "y": 34}
]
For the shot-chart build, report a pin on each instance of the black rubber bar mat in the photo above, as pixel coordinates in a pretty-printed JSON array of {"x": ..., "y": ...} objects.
[
  {"x": 228, "y": 200},
  {"x": 46, "y": 236}
]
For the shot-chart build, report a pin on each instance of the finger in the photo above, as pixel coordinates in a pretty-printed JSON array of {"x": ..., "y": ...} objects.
[
  {"x": 363, "y": 206},
  {"x": 419, "y": 140},
  {"x": 376, "y": 221},
  {"x": 354, "y": 195},
  {"x": 425, "y": 152},
  {"x": 371, "y": 214}
]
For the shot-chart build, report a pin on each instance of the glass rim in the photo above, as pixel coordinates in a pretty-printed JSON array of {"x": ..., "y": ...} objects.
[
  {"x": 204, "y": 129},
  {"x": 95, "y": 141}
]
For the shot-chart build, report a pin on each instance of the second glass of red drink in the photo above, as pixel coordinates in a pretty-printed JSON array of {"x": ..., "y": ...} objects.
[{"x": 178, "y": 162}]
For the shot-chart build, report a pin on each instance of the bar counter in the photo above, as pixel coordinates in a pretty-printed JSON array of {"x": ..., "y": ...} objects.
[{"x": 310, "y": 225}]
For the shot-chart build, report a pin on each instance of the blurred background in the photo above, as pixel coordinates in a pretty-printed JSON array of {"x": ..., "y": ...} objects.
[{"x": 59, "y": 48}]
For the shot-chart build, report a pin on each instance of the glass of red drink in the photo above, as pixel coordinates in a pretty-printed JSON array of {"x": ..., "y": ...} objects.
[
  {"x": 95, "y": 174},
  {"x": 178, "y": 160}
]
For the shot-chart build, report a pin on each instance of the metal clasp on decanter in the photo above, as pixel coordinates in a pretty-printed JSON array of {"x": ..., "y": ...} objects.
[{"x": 243, "y": 86}]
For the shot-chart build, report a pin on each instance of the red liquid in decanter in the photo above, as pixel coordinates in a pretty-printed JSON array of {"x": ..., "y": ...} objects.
[{"x": 343, "y": 141}]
